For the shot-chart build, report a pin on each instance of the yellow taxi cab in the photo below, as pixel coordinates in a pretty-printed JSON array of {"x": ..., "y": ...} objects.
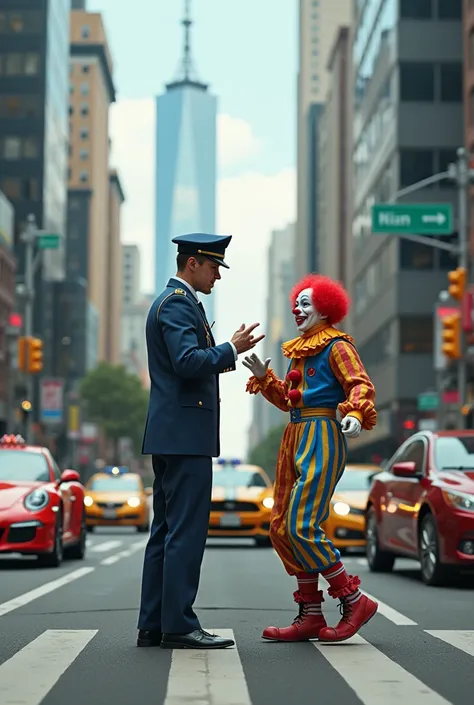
[
  {"x": 242, "y": 501},
  {"x": 345, "y": 525},
  {"x": 117, "y": 497}
]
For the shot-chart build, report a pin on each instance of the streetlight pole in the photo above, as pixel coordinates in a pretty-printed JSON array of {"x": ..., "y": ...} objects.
[{"x": 28, "y": 237}]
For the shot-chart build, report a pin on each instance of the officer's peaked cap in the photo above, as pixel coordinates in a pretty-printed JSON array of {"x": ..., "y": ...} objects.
[{"x": 211, "y": 246}]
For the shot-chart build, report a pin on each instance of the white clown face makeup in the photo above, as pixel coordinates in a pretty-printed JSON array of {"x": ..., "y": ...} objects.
[{"x": 304, "y": 312}]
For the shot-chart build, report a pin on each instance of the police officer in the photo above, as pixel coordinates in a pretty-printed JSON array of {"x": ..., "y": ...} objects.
[{"x": 182, "y": 435}]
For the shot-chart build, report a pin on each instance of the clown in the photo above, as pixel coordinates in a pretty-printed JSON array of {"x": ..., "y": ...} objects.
[{"x": 325, "y": 376}]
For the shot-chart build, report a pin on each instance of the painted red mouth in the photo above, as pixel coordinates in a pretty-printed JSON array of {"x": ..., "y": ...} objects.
[{"x": 300, "y": 320}]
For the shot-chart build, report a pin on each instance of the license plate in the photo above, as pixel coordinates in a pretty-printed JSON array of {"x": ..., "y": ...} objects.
[
  {"x": 110, "y": 514},
  {"x": 230, "y": 520}
]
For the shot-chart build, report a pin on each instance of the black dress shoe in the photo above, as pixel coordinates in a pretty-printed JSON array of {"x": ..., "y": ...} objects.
[
  {"x": 148, "y": 637},
  {"x": 199, "y": 639}
]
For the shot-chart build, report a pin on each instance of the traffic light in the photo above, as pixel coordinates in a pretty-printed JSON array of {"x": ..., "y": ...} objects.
[
  {"x": 457, "y": 283},
  {"x": 452, "y": 336},
  {"x": 22, "y": 353},
  {"x": 35, "y": 355}
]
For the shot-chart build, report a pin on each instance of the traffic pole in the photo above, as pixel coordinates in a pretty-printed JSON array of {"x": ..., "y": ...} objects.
[
  {"x": 28, "y": 238},
  {"x": 463, "y": 181}
]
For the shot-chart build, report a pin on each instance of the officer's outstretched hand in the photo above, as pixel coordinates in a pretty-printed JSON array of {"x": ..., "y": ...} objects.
[
  {"x": 255, "y": 365},
  {"x": 243, "y": 338}
]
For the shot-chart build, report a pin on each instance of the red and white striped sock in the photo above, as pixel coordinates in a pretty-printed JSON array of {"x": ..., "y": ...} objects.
[
  {"x": 308, "y": 585},
  {"x": 338, "y": 578}
]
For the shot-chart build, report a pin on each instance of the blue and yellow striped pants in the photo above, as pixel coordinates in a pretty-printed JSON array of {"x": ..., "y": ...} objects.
[{"x": 311, "y": 461}]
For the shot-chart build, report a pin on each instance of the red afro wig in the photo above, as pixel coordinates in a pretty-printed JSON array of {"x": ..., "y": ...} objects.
[{"x": 329, "y": 297}]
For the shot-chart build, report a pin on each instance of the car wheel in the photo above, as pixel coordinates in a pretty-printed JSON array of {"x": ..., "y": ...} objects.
[
  {"x": 379, "y": 561},
  {"x": 55, "y": 558},
  {"x": 144, "y": 529},
  {"x": 78, "y": 551},
  {"x": 433, "y": 572}
]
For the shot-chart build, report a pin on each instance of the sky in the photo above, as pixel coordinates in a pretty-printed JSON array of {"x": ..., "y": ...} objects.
[{"x": 248, "y": 54}]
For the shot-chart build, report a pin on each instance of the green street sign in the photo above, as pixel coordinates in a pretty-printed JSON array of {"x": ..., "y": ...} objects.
[
  {"x": 49, "y": 241},
  {"x": 429, "y": 401},
  {"x": 415, "y": 218}
]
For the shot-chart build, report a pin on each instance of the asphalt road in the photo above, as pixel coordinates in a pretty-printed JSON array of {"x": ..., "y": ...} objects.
[{"x": 68, "y": 635}]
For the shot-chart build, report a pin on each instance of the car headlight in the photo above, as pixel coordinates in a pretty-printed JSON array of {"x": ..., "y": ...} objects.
[
  {"x": 36, "y": 500},
  {"x": 268, "y": 502},
  {"x": 341, "y": 508},
  {"x": 88, "y": 501},
  {"x": 459, "y": 500},
  {"x": 134, "y": 502}
]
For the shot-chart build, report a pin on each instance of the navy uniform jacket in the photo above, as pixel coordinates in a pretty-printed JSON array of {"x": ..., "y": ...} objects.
[{"x": 184, "y": 364}]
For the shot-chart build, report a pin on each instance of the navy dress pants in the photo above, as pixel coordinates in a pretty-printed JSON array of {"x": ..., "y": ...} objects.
[{"x": 173, "y": 556}]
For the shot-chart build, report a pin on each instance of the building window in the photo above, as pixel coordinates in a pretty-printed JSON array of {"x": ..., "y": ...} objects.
[
  {"x": 30, "y": 148},
  {"x": 417, "y": 82},
  {"x": 84, "y": 133},
  {"x": 414, "y": 255},
  {"x": 85, "y": 68},
  {"x": 31, "y": 67},
  {"x": 11, "y": 188},
  {"x": 415, "y": 165},
  {"x": 84, "y": 154},
  {"x": 84, "y": 88},
  {"x": 30, "y": 189},
  {"x": 471, "y": 107},
  {"x": 71, "y": 110},
  {"x": 451, "y": 83},
  {"x": 471, "y": 49},
  {"x": 416, "y": 335},
  {"x": 85, "y": 32},
  {"x": 84, "y": 176},
  {"x": 416, "y": 9},
  {"x": 14, "y": 64},
  {"x": 450, "y": 9},
  {"x": 84, "y": 109},
  {"x": 12, "y": 148}
]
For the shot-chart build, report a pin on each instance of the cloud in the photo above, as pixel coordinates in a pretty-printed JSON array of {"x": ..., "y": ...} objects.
[
  {"x": 250, "y": 205},
  {"x": 236, "y": 142}
]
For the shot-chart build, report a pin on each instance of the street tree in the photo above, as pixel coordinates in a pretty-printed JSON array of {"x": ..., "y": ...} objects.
[{"x": 115, "y": 400}]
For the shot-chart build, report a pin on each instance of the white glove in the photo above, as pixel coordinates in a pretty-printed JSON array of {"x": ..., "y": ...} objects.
[
  {"x": 350, "y": 426},
  {"x": 255, "y": 365}
]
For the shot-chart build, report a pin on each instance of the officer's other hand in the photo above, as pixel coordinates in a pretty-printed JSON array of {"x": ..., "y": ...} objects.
[
  {"x": 255, "y": 365},
  {"x": 243, "y": 338}
]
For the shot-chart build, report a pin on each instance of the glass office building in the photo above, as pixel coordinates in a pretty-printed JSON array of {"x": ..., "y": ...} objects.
[{"x": 185, "y": 173}]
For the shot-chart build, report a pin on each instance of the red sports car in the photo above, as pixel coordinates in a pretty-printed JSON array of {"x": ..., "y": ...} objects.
[
  {"x": 41, "y": 509},
  {"x": 422, "y": 506}
]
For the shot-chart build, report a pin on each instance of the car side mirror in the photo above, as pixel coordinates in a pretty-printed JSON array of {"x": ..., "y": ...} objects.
[
  {"x": 149, "y": 491},
  {"x": 405, "y": 469},
  {"x": 70, "y": 476}
]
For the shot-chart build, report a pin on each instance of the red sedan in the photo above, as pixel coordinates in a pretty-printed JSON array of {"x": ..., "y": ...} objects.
[
  {"x": 422, "y": 506},
  {"x": 41, "y": 509}
]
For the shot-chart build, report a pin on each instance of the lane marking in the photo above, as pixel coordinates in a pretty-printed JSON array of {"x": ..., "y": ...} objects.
[
  {"x": 110, "y": 560},
  {"x": 385, "y": 610},
  {"x": 44, "y": 589},
  {"x": 374, "y": 677},
  {"x": 29, "y": 675},
  {"x": 462, "y": 640},
  {"x": 103, "y": 547},
  {"x": 207, "y": 677}
]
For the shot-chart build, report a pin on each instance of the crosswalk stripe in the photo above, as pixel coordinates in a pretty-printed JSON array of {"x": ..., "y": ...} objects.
[
  {"x": 374, "y": 677},
  {"x": 29, "y": 675},
  {"x": 462, "y": 640},
  {"x": 207, "y": 677},
  {"x": 103, "y": 547},
  {"x": 44, "y": 589}
]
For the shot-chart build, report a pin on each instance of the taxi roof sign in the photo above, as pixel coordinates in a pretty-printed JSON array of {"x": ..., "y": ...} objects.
[
  {"x": 223, "y": 461},
  {"x": 9, "y": 439},
  {"x": 115, "y": 469}
]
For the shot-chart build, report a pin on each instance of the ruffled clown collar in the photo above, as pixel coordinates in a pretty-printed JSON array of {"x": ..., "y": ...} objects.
[{"x": 313, "y": 341}]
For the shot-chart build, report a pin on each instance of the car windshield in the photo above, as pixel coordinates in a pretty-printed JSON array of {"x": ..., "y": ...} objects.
[
  {"x": 353, "y": 480},
  {"x": 238, "y": 478},
  {"x": 115, "y": 484},
  {"x": 454, "y": 453},
  {"x": 21, "y": 466}
]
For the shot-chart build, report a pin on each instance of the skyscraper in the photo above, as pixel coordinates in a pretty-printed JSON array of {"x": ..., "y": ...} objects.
[{"x": 185, "y": 164}]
